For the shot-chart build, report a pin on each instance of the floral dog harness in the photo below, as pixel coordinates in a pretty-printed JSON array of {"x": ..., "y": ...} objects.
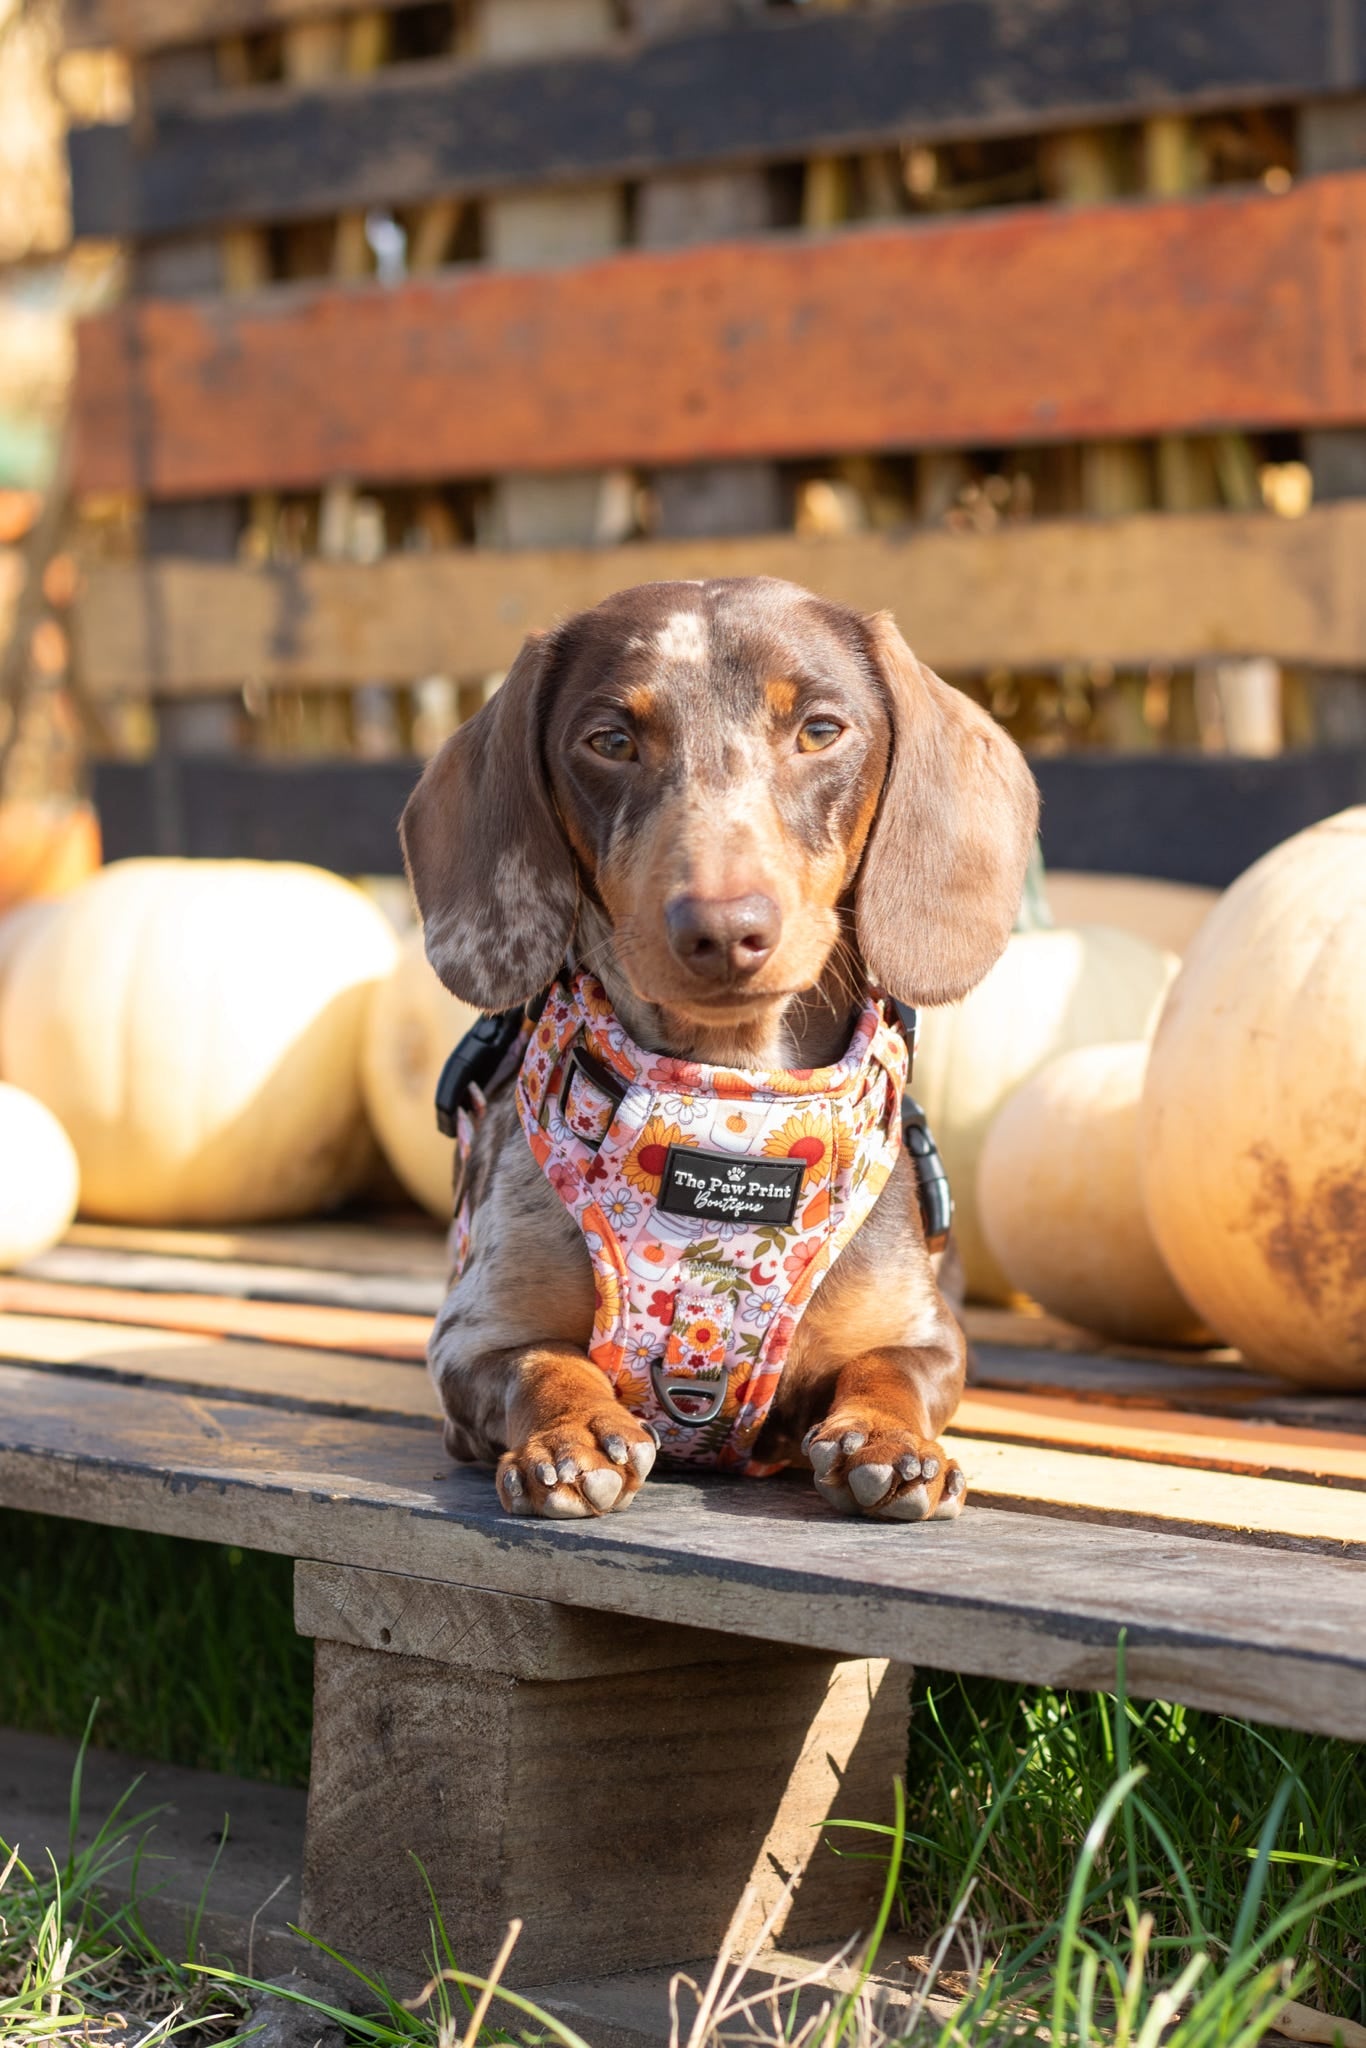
[{"x": 712, "y": 1203}]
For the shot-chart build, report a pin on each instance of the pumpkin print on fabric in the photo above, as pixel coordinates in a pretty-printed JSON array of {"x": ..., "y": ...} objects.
[{"x": 706, "y": 1308}]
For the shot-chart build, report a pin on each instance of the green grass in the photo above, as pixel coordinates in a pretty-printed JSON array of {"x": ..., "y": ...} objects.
[
  {"x": 189, "y": 1647},
  {"x": 1086, "y": 1855},
  {"x": 1187, "y": 1837}
]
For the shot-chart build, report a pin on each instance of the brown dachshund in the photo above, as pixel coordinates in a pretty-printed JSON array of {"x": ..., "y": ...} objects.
[{"x": 739, "y": 806}]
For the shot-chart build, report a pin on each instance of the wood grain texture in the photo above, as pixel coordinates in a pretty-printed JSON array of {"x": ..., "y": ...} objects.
[
  {"x": 1233, "y": 1627},
  {"x": 1186, "y": 817},
  {"x": 1130, "y": 590},
  {"x": 748, "y": 92},
  {"x": 402, "y": 1247},
  {"x": 476, "y": 1630},
  {"x": 287, "y": 1376},
  {"x": 633, "y": 1814},
  {"x": 375, "y": 1332},
  {"x": 1236, "y": 309}
]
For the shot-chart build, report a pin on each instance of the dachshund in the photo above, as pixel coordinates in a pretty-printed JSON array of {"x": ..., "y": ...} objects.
[{"x": 740, "y": 807}]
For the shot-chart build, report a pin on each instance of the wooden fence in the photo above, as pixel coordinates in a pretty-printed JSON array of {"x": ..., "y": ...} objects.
[{"x": 1030, "y": 321}]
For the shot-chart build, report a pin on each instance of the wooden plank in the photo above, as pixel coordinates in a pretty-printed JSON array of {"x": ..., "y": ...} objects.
[
  {"x": 150, "y": 24},
  {"x": 416, "y": 1247},
  {"x": 54, "y": 1323},
  {"x": 391, "y": 1293},
  {"x": 1148, "y": 1382},
  {"x": 1231, "y": 309},
  {"x": 285, "y": 1376},
  {"x": 475, "y": 1630},
  {"x": 377, "y": 1334},
  {"x": 1188, "y": 818},
  {"x": 959, "y": 68},
  {"x": 1239, "y": 1444},
  {"x": 1129, "y": 590},
  {"x": 1232, "y": 1627},
  {"x": 1036, "y": 1330}
]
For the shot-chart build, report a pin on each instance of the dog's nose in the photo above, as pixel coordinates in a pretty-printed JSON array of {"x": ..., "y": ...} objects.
[{"x": 723, "y": 938}]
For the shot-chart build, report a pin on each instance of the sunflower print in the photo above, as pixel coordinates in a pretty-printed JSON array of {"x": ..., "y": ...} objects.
[
  {"x": 810, "y": 1137},
  {"x": 643, "y": 1165}
]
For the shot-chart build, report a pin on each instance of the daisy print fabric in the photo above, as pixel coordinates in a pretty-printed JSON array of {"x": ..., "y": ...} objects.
[{"x": 712, "y": 1203}]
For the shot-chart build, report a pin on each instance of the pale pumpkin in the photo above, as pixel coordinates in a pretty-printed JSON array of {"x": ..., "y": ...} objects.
[
  {"x": 412, "y": 1026},
  {"x": 1254, "y": 1111},
  {"x": 1049, "y": 991},
  {"x": 1167, "y": 914},
  {"x": 39, "y": 1177},
  {"x": 48, "y": 845},
  {"x": 196, "y": 1027},
  {"x": 15, "y": 926},
  {"x": 1061, "y": 1202}
]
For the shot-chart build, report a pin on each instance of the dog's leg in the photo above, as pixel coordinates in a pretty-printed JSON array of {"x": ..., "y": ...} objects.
[{"x": 876, "y": 1451}]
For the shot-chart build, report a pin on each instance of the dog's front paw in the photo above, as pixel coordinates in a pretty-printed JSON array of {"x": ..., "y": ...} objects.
[
  {"x": 866, "y": 1464},
  {"x": 592, "y": 1463}
]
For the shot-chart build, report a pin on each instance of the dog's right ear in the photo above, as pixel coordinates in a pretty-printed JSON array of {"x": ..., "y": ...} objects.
[{"x": 490, "y": 867}]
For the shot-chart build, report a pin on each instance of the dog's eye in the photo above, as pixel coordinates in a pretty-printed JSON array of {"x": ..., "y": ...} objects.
[
  {"x": 613, "y": 744},
  {"x": 818, "y": 734}
]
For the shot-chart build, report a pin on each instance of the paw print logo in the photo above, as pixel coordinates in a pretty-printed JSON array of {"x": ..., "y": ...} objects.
[{"x": 737, "y": 1173}]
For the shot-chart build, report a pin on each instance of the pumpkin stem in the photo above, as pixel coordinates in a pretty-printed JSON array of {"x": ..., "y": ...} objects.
[{"x": 1034, "y": 914}]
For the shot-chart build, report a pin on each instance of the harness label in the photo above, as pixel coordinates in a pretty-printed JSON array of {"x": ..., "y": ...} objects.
[{"x": 731, "y": 1190}]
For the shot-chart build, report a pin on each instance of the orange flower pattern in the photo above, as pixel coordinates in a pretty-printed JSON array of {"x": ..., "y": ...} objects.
[{"x": 704, "y": 1309}]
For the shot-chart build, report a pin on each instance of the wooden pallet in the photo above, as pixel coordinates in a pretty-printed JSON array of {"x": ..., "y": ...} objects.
[{"x": 263, "y": 1387}]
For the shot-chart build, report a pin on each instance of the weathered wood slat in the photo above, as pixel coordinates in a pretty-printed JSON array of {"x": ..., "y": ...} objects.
[
  {"x": 285, "y": 1376},
  {"x": 46, "y": 1323},
  {"x": 1236, "y": 1444},
  {"x": 1034, "y": 1330},
  {"x": 138, "y": 25},
  {"x": 374, "y": 1332},
  {"x": 1227, "y": 1626},
  {"x": 1189, "y": 817},
  {"x": 742, "y": 93},
  {"x": 73, "y": 1265},
  {"x": 415, "y": 1248},
  {"x": 1203, "y": 1501},
  {"x": 1035, "y": 324},
  {"x": 1159, "y": 587}
]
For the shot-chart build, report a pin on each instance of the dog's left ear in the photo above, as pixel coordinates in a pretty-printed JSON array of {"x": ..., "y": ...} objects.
[{"x": 941, "y": 878}]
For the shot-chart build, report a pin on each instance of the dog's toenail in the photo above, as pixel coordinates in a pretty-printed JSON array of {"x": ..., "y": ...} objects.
[
  {"x": 652, "y": 1433},
  {"x": 601, "y": 1489},
  {"x": 868, "y": 1483},
  {"x": 643, "y": 1458},
  {"x": 567, "y": 1469},
  {"x": 615, "y": 1447},
  {"x": 852, "y": 1440},
  {"x": 809, "y": 1439},
  {"x": 908, "y": 1466},
  {"x": 930, "y": 1468},
  {"x": 823, "y": 1456},
  {"x": 512, "y": 1481},
  {"x": 955, "y": 1482},
  {"x": 547, "y": 1474}
]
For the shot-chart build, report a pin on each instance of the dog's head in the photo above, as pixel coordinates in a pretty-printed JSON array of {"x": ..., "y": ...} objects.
[{"x": 735, "y": 774}]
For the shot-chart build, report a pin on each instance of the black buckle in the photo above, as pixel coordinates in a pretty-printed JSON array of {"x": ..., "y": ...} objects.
[
  {"x": 704, "y": 1394},
  {"x": 931, "y": 1181},
  {"x": 598, "y": 1076},
  {"x": 477, "y": 1058}
]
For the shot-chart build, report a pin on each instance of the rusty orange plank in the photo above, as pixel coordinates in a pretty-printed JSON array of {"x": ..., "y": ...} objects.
[
  {"x": 370, "y": 1332},
  {"x": 1035, "y": 324}
]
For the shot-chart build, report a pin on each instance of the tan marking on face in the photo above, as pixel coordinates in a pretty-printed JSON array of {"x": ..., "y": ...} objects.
[
  {"x": 682, "y": 637},
  {"x": 781, "y": 696},
  {"x": 640, "y": 700}
]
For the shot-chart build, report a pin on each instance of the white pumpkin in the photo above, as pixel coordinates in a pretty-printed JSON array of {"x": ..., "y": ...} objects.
[
  {"x": 17, "y": 925},
  {"x": 1061, "y": 1201},
  {"x": 196, "y": 1027},
  {"x": 1167, "y": 914},
  {"x": 1254, "y": 1111},
  {"x": 39, "y": 1177},
  {"x": 1050, "y": 990},
  {"x": 412, "y": 1025}
]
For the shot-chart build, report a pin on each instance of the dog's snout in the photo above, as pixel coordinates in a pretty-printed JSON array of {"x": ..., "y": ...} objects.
[{"x": 723, "y": 938}]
